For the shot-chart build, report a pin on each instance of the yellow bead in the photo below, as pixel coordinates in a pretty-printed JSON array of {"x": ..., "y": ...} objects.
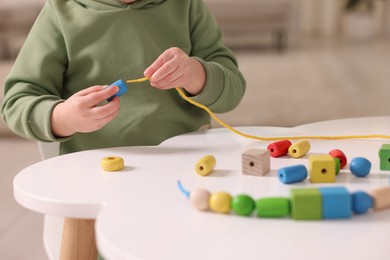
[
  {"x": 112, "y": 163},
  {"x": 299, "y": 149},
  {"x": 205, "y": 165},
  {"x": 220, "y": 202},
  {"x": 322, "y": 168}
]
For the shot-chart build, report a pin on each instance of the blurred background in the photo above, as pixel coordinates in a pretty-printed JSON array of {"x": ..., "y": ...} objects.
[{"x": 303, "y": 60}]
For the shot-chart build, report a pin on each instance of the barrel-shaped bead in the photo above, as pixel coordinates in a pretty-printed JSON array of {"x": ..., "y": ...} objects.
[
  {"x": 360, "y": 167},
  {"x": 220, "y": 202},
  {"x": 279, "y": 148},
  {"x": 199, "y": 199},
  {"x": 337, "y": 153},
  {"x": 272, "y": 207},
  {"x": 292, "y": 174},
  {"x": 299, "y": 149},
  {"x": 361, "y": 202},
  {"x": 243, "y": 205},
  {"x": 205, "y": 165}
]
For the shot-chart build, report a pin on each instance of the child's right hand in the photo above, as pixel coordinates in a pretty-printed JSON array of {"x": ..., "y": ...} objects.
[{"x": 80, "y": 112}]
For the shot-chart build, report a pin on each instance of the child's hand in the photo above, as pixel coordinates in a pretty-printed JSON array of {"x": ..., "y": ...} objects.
[
  {"x": 174, "y": 68},
  {"x": 80, "y": 112}
]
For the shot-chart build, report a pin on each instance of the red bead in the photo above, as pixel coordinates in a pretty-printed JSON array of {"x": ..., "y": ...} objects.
[
  {"x": 279, "y": 148},
  {"x": 336, "y": 153}
]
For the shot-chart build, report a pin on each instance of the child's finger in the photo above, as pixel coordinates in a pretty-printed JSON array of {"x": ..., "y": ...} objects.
[
  {"x": 90, "y": 90},
  {"x": 95, "y": 98},
  {"x": 101, "y": 112},
  {"x": 159, "y": 62}
]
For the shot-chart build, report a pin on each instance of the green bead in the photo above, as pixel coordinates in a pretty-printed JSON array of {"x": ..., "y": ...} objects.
[
  {"x": 272, "y": 207},
  {"x": 338, "y": 164},
  {"x": 384, "y": 156},
  {"x": 243, "y": 205},
  {"x": 306, "y": 204}
]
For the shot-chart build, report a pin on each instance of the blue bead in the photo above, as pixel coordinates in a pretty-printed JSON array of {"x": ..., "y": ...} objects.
[
  {"x": 361, "y": 202},
  {"x": 336, "y": 202},
  {"x": 360, "y": 167},
  {"x": 292, "y": 174},
  {"x": 122, "y": 89}
]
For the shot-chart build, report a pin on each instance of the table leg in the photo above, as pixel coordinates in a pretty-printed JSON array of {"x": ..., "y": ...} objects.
[{"x": 78, "y": 239}]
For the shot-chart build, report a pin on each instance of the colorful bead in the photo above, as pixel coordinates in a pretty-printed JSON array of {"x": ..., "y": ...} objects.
[
  {"x": 306, "y": 204},
  {"x": 338, "y": 166},
  {"x": 360, "y": 167},
  {"x": 336, "y": 202},
  {"x": 381, "y": 198},
  {"x": 361, "y": 202},
  {"x": 384, "y": 157},
  {"x": 336, "y": 153},
  {"x": 256, "y": 162},
  {"x": 112, "y": 163},
  {"x": 272, "y": 207},
  {"x": 243, "y": 205},
  {"x": 220, "y": 202},
  {"x": 122, "y": 89},
  {"x": 299, "y": 149},
  {"x": 199, "y": 199},
  {"x": 292, "y": 174},
  {"x": 205, "y": 165},
  {"x": 279, "y": 148},
  {"x": 322, "y": 168}
]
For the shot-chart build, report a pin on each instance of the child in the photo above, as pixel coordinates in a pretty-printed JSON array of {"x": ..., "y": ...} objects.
[{"x": 51, "y": 92}]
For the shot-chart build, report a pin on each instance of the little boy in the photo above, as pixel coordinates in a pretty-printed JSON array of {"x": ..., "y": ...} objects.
[{"x": 51, "y": 93}]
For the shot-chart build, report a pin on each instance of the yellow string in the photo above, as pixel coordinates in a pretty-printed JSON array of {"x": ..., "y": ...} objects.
[{"x": 262, "y": 138}]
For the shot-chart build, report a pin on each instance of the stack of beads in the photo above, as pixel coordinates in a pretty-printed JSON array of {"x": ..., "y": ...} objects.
[{"x": 304, "y": 204}]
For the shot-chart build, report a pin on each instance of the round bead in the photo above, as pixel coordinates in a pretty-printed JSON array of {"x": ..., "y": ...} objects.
[
  {"x": 205, "y": 165},
  {"x": 361, "y": 202},
  {"x": 292, "y": 174},
  {"x": 360, "y": 167},
  {"x": 336, "y": 153},
  {"x": 199, "y": 199},
  {"x": 220, "y": 202},
  {"x": 279, "y": 148},
  {"x": 112, "y": 163},
  {"x": 243, "y": 205}
]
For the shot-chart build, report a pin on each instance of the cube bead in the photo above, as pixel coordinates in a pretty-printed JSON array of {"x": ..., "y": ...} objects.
[
  {"x": 306, "y": 204},
  {"x": 322, "y": 168},
  {"x": 336, "y": 202},
  {"x": 384, "y": 157},
  {"x": 122, "y": 89},
  {"x": 256, "y": 162}
]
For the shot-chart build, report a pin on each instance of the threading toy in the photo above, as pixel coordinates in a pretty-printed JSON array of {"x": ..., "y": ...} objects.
[{"x": 263, "y": 138}]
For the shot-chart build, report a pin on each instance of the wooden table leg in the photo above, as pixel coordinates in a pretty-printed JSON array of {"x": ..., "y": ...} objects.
[{"x": 78, "y": 240}]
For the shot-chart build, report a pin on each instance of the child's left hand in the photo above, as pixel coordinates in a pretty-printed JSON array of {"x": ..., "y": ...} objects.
[{"x": 174, "y": 68}]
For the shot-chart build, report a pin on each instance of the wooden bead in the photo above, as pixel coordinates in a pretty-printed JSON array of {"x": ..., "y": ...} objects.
[
  {"x": 243, "y": 205},
  {"x": 336, "y": 153},
  {"x": 112, "y": 163},
  {"x": 306, "y": 204},
  {"x": 122, "y": 89},
  {"x": 381, "y": 198},
  {"x": 361, "y": 202},
  {"x": 220, "y": 202},
  {"x": 322, "y": 168},
  {"x": 384, "y": 157},
  {"x": 256, "y": 162},
  {"x": 279, "y": 148},
  {"x": 272, "y": 207},
  {"x": 360, "y": 167},
  {"x": 205, "y": 165},
  {"x": 299, "y": 149},
  {"x": 292, "y": 174},
  {"x": 336, "y": 202},
  {"x": 199, "y": 199}
]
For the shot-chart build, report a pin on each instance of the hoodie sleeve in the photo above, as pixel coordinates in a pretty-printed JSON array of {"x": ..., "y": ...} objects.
[
  {"x": 225, "y": 85},
  {"x": 34, "y": 85}
]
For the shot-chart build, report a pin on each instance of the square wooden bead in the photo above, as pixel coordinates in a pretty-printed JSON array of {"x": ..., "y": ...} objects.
[
  {"x": 322, "y": 168},
  {"x": 384, "y": 157},
  {"x": 256, "y": 162},
  {"x": 381, "y": 197},
  {"x": 306, "y": 204}
]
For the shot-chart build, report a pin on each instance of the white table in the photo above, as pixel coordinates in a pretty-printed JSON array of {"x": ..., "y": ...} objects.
[{"x": 141, "y": 214}]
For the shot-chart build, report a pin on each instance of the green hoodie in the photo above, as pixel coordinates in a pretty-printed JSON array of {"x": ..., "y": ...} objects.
[{"x": 75, "y": 44}]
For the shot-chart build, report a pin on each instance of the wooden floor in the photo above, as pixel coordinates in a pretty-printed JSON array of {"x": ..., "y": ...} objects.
[{"x": 310, "y": 82}]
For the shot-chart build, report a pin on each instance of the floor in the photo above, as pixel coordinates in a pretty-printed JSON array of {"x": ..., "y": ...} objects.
[{"x": 311, "y": 82}]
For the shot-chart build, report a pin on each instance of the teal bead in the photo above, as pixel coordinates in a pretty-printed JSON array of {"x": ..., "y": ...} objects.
[{"x": 243, "y": 205}]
